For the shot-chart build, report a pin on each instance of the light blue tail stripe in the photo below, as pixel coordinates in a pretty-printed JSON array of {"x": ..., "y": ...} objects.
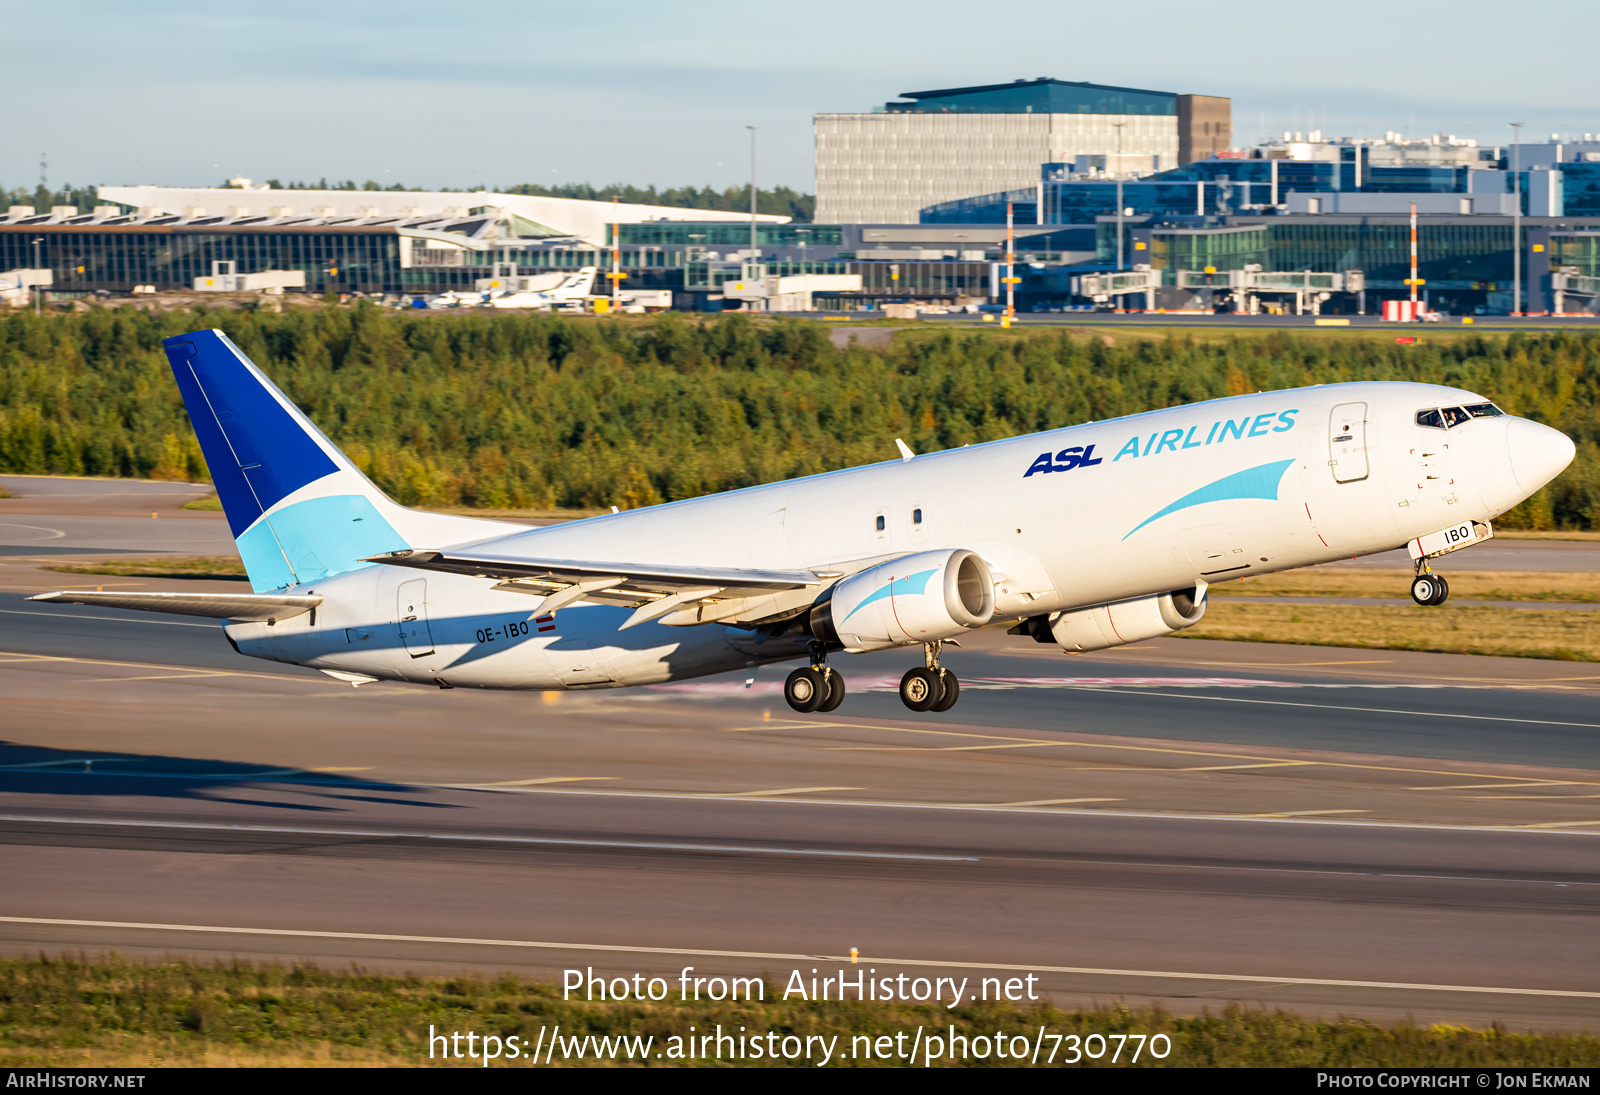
[{"x": 310, "y": 540}]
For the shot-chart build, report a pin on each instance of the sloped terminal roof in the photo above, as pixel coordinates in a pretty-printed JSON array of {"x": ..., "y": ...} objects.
[{"x": 532, "y": 217}]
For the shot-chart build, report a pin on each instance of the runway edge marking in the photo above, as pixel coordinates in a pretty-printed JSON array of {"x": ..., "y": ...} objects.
[{"x": 296, "y": 933}]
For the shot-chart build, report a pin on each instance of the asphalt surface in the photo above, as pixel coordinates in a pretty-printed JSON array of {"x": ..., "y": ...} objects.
[{"x": 1184, "y": 822}]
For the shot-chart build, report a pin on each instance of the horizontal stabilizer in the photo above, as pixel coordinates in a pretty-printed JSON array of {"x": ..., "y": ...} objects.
[{"x": 244, "y": 607}]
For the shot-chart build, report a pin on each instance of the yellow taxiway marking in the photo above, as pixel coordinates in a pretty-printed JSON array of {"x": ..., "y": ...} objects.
[
  {"x": 16, "y": 655},
  {"x": 778, "y": 791},
  {"x": 1132, "y": 749},
  {"x": 159, "y": 677},
  {"x": 1555, "y": 824},
  {"x": 1266, "y": 979},
  {"x": 1541, "y": 798}
]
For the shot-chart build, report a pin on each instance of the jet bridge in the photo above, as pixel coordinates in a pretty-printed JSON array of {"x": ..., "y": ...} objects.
[
  {"x": 1566, "y": 283},
  {"x": 1101, "y": 288},
  {"x": 1310, "y": 288}
]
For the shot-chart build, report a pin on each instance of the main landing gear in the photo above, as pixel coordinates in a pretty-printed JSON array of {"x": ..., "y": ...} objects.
[
  {"x": 814, "y": 688},
  {"x": 926, "y": 688},
  {"x": 1428, "y": 588},
  {"x": 932, "y": 688}
]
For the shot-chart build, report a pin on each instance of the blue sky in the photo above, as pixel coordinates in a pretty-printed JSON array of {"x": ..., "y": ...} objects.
[{"x": 183, "y": 92}]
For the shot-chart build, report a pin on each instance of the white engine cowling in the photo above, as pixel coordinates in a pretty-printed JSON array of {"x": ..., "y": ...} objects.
[
  {"x": 922, "y": 597},
  {"x": 1131, "y": 621}
]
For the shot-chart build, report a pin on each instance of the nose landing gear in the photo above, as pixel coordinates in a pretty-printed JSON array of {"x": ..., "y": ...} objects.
[
  {"x": 933, "y": 687},
  {"x": 817, "y": 687},
  {"x": 1428, "y": 588}
]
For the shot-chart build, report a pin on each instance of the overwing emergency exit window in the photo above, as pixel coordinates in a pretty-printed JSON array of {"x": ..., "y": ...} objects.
[
  {"x": 880, "y": 522},
  {"x": 1431, "y": 418},
  {"x": 916, "y": 517}
]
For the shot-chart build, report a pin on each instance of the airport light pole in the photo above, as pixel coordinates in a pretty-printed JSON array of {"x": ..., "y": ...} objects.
[
  {"x": 37, "y": 240},
  {"x": 754, "y": 254},
  {"x": 1118, "y": 127},
  {"x": 1516, "y": 218},
  {"x": 1412, "y": 280},
  {"x": 1011, "y": 271}
]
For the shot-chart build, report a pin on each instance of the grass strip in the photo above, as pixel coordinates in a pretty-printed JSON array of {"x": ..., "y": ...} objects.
[
  {"x": 1482, "y": 585},
  {"x": 1502, "y": 632},
  {"x": 214, "y": 567},
  {"x": 209, "y": 503},
  {"x": 117, "y": 1013}
]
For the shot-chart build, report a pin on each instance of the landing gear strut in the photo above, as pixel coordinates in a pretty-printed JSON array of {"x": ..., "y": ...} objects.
[
  {"x": 814, "y": 688},
  {"x": 933, "y": 687},
  {"x": 1428, "y": 588}
]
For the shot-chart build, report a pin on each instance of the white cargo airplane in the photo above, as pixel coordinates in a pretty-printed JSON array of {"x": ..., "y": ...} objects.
[
  {"x": 1088, "y": 537},
  {"x": 549, "y": 291}
]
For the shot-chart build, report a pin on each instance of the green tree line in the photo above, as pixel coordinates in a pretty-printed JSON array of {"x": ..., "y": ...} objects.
[
  {"x": 780, "y": 200},
  {"x": 42, "y": 198},
  {"x": 543, "y": 411}
]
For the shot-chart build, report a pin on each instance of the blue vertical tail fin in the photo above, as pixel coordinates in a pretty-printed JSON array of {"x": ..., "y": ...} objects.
[{"x": 299, "y": 510}]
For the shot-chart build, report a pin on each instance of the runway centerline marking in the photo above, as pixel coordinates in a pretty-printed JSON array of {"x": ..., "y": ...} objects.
[
  {"x": 780, "y": 791},
  {"x": 1183, "y": 975},
  {"x": 368, "y": 834}
]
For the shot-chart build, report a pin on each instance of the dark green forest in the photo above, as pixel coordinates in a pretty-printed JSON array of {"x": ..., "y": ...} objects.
[{"x": 544, "y": 411}]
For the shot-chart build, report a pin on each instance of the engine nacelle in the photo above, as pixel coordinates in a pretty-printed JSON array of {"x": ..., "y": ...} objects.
[
  {"x": 922, "y": 597},
  {"x": 1130, "y": 621}
]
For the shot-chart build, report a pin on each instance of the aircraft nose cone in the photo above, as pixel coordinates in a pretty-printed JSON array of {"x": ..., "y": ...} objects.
[{"x": 1538, "y": 453}]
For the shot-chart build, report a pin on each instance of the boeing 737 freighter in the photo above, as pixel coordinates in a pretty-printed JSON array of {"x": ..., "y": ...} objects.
[{"x": 1087, "y": 537}]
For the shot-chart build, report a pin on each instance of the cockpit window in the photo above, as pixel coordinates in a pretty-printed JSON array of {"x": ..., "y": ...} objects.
[{"x": 1444, "y": 418}]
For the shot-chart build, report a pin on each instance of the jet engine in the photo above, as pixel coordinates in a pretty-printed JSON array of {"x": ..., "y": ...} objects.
[
  {"x": 916, "y": 599},
  {"x": 1119, "y": 622}
]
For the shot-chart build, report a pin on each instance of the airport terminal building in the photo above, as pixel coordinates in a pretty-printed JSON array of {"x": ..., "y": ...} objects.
[{"x": 928, "y": 147}]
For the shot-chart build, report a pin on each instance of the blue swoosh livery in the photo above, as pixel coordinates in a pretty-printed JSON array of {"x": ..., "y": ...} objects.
[{"x": 1258, "y": 482}]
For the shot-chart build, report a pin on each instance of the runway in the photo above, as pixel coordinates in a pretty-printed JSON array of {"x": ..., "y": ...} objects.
[{"x": 1337, "y": 831}]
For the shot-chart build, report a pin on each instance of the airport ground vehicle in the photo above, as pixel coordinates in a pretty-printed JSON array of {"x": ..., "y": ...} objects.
[{"x": 1087, "y": 537}]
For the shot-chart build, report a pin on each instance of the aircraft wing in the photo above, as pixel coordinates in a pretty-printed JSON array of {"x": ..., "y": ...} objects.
[
  {"x": 244, "y": 607},
  {"x": 678, "y": 595}
]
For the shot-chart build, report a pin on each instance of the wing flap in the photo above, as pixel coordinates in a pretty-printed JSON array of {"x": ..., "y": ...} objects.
[
  {"x": 669, "y": 593},
  {"x": 244, "y": 607}
]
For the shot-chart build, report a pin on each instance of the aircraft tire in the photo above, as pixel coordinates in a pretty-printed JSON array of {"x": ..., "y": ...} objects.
[
  {"x": 1443, "y": 595},
  {"x": 805, "y": 690},
  {"x": 920, "y": 689},
  {"x": 835, "y": 685},
  {"x": 1424, "y": 588},
  {"x": 949, "y": 691}
]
